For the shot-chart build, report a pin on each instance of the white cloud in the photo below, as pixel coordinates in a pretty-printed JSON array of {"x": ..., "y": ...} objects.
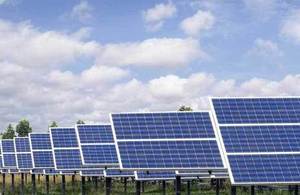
[
  {"x": 265, "y": 48},
  {"x": 202, "y": 20},
  {"x": 82, "y": 11},
  {"x": 291, "y": 26},
  {"x": 167, "y": 52},
  {"x": 21, "y": 43},
  {"x": 155, "y": 17}
]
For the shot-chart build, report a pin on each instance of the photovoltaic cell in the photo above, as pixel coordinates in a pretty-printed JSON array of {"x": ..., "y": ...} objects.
[
  {"x": 257, "y": 110},
  {"x": 271, "y": 138},
  {"x": 42, "y": 154},
  {"x": 65, "y": 149},
  {"x": 155, "y": 176},
  {"x": 260, "y": 138},
  {"x": 169, "y": 140},
  {"x": 90, "y": 173},
  {"x": 8, "y": 153},
  {"x": 23, "y": 153},
  {"x": 97, "y": 145}
]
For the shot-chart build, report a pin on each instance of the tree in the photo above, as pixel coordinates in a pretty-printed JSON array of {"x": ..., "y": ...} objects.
[
  {"x": 9, "y": 132},
  {"x": 23, "y": 128},
  {"x": 185, "y": 108},
  {"x": 53, "y": 124},
  {"x": 80, "y": 122}
]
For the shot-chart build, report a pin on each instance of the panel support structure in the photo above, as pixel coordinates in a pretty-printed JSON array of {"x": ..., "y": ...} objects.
[
  {"x": 108, "y": 181},
  {"x": 63, "y": 184},
  {"x": 252, "y": 190},
  {"x": 296, "y": 190},
  {"x": 178, "y": 185},
  {"x": 137, "y": 187},
  {"x": 47, "y": 184},
  {"x": 82, "y": 185},
  {"x": 33, "y": 184},
  {"x": 164, "y": 187},
  {"x": 22, "y": 183},
  {"x": 233, "y": 190},
  {"x": 3, "y": 183},
  {"x": 13, "y": 183}
]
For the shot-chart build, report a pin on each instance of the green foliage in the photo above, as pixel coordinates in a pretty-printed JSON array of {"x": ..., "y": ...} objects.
[
  {"x": 185, "y": 108},
  {"x": 23, "y": 128},
  {"x": 9, "y": 132},
  {"x": 80, "y": 122},
  {"x": 53, "y": 124}
]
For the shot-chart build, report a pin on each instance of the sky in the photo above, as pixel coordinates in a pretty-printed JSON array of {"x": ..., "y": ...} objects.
[{"x": 83, "y": 59}]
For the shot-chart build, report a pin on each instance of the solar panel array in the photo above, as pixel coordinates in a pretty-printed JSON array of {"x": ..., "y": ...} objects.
[
  {"x": 23, "y": 153},
  {"x": 260, "y": 138},
  {"x": 92, "y": 173},
  {"x": 65, "y": 148},
  {"x": 41, "y": 150},
  {"x": 97, "y": 145},
  {"x": 8, "y": 154},
  {"x": 166, "y": 141}
]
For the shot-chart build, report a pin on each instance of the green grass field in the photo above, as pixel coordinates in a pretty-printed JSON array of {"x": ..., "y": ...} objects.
[{"x": 150, "y": 188}]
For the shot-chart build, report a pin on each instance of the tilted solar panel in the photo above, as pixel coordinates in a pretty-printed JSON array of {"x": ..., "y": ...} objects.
[
  {"x": 23, "y": 153},
  {"x": 37, "y": 171},
  {"x": 257, "y": 110},
  {"x": 42, "y": 154},
  {"x": 260, "y": 138},
  {"x": 166, "y": 141},
  {"x": 65, "y": 149},
  {"x": 8, "y": 153},
  {"x": 97, "y": 145}
]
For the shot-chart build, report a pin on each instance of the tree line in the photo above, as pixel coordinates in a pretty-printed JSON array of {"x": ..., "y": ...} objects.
[{"x": 23, "y": 128}]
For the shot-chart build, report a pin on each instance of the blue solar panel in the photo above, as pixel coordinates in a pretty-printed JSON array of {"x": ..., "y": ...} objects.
[
  {"x": 170, "y": 154},
  {"x": 97, "y": 145},
  {"x": 175, "y": 140},
  {"x": 1, "y": 163},
  {"x": 51, "y": 172},
  {"x": 261, "y": 144},
  {"x": 8, "y": 145},
  {"x": 9, "y": 160},
  {"x": 257, "y": 110},
  {"x": 67, "y": 159},
  {"x": 163, "y": 125},
  {"x": 41, "y": 150},
  {"x": 24, "y": 161},
  {"x": 40, "y": 141},
  {"x": 43, "y": 159},
  {"x": 261, "y": 138},
  {"x": 265, "y": 168},
  {"x": 145, "y": 176},
  {"x": 22, "y": 144},
  {"x": 118, "y": 173},
  {"x": 64, "y": 137},
  {"x": 99, "y": 154},
  {"x": 89, "y": 134}
]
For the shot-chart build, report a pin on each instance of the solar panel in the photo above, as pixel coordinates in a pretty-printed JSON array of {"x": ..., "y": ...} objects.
[
  {"x": 65, "y": 149},
  {"x": 97, "y": 145},
  {"x": 23, "y": 153},
  {"x": 166, "y": 141},
  {"x": 92, "y": 173},
  {"x": 67, "y": 172},
  {"x": 8, "y": 153},
  {"x": 203, "y": 174},
  {"x": 41, "y": 150},
  {"x": 260, "y": 138},
  {"x": 51, "y": 172},
  {"x": 118, "y": 173},
  {"x": 13, "y": 171}
]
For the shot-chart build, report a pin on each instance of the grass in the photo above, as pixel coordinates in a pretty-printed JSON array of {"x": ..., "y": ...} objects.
[{"x": 150, "y": 188}]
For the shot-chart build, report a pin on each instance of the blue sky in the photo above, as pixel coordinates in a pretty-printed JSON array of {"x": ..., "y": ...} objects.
[{"x": 69, "y": 60}]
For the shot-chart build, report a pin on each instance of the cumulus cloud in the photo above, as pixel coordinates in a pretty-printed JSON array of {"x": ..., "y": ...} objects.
[
  {"x": 291, "y": 26},
  {"x": 168, "y": 52},
  {"x": 202, "y": 20},
  {"x": 82, "y": 11},
  {"x": 21, "y": 43},
  {"x": 156, "y": 16},
  {"x": 265, "y": 48}
]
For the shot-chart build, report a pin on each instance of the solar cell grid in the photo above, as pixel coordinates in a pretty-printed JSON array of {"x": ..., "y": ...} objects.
[
  {"x": 67, "y": 159},
  {"x": 9, "y": 160},
  {"x": 167, "y": 140},
  {"x": 43, "y": 159},
  {"x": 8, "y": 146},
  {"x": 257, "y": 110},
  {"x": 99, "y": 154},
  {"x": 260, "y": 136},
  {"x": 40, "y": 141},
  {"x": 24, "y": 161},
  {"x": 22, "y": 144},
  {"x": 64, "y": 137},
  {"x": 89, "y": 173},
  {"x": 95, "y": 134}
]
